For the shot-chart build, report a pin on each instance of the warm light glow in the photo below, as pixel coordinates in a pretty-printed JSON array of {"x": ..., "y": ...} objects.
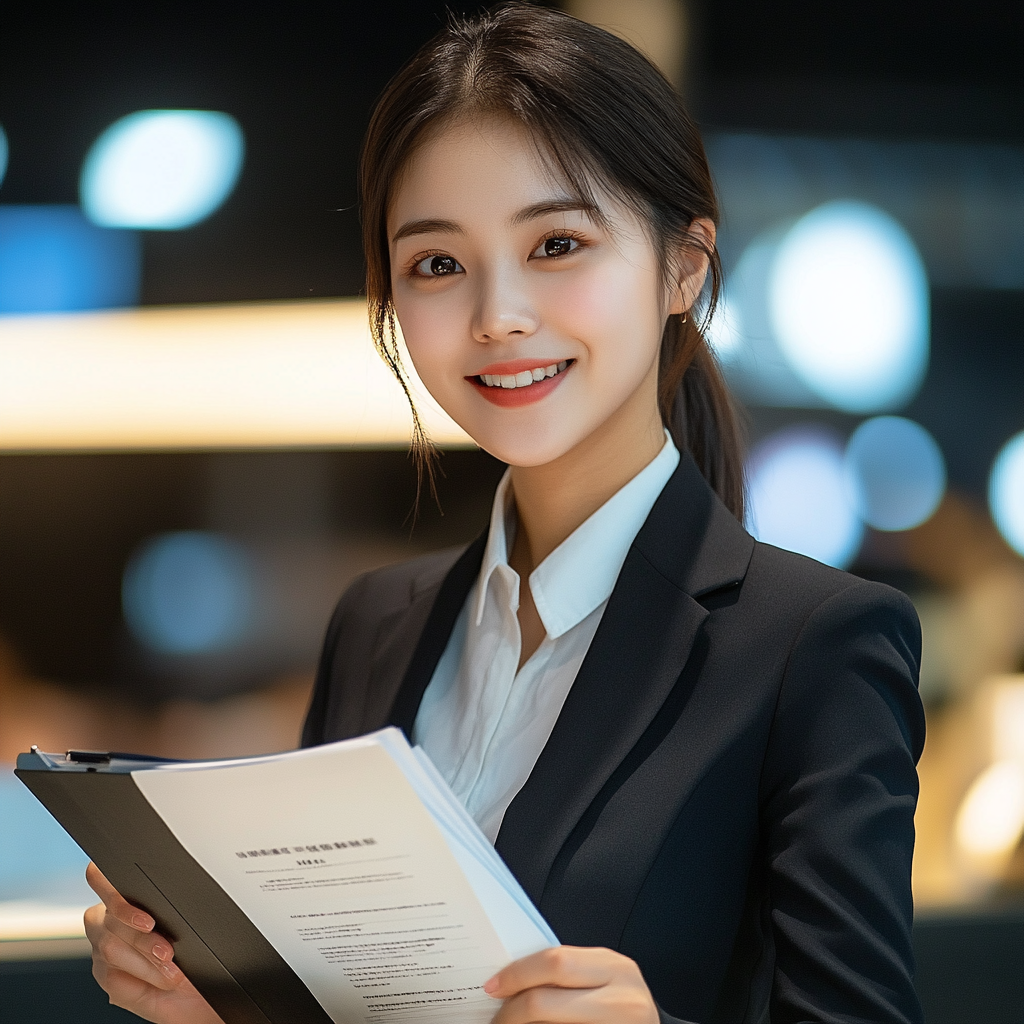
[
  {"x": 656, "y": 27},
  {"x": 1008, "y": 717},
  {"x": 289, "y": 374},
  {"x": 33, "y": 919},
  {"x": 991, "y": 818}
]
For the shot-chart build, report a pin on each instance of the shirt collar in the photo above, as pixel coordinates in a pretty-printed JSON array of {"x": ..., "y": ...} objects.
[{"x": 579, "y": 575}]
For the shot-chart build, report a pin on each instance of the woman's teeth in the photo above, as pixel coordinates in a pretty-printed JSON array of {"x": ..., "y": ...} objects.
[{"x": 524, "y": 379}]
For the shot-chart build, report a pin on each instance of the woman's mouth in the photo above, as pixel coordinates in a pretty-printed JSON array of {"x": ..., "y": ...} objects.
[
  {"x": 523, "y": 379},
  {"x": 520, "y": 383}
]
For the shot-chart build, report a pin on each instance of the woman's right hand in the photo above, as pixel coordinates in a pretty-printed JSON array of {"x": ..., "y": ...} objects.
[{"x": 134, "y": 965}]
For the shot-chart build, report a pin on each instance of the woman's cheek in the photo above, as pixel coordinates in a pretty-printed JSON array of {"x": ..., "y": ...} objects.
[
  {"x": 580, "y": 305},
  {"x": 431, "y": 334},
  {"x": 600, "y": 307}
]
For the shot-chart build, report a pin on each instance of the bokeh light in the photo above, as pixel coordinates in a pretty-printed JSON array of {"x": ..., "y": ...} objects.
[
  {"x": 897, "y": 472},
  {"x": 3, "y": 153},
  {"x": 848, "y": 305},
  {"x": 991, "y": 818},
  {"x": 161, "y": 169},
  {"x": 724, "y": 334},
  {"x": 799, "y": 495},
  {"x": 1006, "y": 492},
  {"x": 189, "y": 593},
  {"x": 52, "y": 260}
]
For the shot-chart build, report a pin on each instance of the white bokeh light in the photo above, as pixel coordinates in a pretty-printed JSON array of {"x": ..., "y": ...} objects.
[
  {"x": 1006, "y": 492},
  {"x": 799, "y": 496},
  {"x": 848, "y": 305},
  {"x": 161, "y": 169},
  {"x": 897, "y": 472},
  {"x": 725, "y": 335}
]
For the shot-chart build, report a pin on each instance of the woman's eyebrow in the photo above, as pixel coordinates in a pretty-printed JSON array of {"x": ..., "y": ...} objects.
[
  {"x": 549, "y": 206},
  {"x": 427, "y": 227},
  {"x": 527, "y": 213}
]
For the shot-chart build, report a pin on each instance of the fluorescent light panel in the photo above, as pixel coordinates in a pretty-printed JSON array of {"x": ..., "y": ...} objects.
[{"x": 272, "y": 375}]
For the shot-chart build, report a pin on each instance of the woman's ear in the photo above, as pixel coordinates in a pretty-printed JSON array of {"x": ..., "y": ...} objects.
[{"x": 690, "y": 264}]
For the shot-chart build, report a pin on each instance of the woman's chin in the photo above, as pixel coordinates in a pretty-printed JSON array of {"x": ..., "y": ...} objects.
[{"x": 525, "y": 451}]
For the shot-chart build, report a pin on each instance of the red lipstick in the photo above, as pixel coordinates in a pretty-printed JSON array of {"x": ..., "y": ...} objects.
[{"x": 524, "y": 395}]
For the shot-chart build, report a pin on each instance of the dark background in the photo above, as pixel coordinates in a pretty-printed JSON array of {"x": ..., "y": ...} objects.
[{"x": 301, "y": 78}]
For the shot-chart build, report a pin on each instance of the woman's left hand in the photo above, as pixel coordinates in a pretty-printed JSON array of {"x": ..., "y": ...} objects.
[{"x": 573, "y": 985}]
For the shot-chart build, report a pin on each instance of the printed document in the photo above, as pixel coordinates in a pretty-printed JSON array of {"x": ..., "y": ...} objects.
[{"x": 364, "y": 872}]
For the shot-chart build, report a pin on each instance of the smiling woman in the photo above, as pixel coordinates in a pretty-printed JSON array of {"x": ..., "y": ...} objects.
[
  {"x": 695, "y": 752},
  {"x": 598, "y": 181},
  {"x": 497, "y": 272}
]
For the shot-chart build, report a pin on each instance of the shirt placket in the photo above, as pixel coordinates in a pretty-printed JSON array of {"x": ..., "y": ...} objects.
[{"x": 494, "y": 663}]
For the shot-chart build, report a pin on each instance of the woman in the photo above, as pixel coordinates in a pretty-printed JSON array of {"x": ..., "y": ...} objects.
[{"x": 696, "y": 752}]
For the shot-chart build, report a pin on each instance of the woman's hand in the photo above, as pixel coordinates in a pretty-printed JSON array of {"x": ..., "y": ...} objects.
[
  {"x": 133, "y": 964},
  {"x": 573, "y": 985}
]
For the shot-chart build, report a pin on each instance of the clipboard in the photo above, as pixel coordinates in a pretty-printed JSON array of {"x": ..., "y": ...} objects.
[{"x": 94, "y": 797}]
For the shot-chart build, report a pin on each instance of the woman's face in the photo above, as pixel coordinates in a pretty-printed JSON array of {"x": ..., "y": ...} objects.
[{"x": 533, "y": 324}]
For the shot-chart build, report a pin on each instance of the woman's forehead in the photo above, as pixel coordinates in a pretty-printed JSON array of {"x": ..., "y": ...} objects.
[
  {"x": 455, "y": 155},
  {"x": 490, "y": 166}
]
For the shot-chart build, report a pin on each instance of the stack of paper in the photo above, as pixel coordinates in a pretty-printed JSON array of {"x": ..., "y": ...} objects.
[{"x": 362, "y": 869}]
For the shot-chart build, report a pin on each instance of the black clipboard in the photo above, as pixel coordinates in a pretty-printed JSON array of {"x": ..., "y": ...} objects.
[{"x": 225, "y": 956}]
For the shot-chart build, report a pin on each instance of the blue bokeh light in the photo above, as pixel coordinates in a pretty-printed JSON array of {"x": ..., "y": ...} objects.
[
  {"x": 848, "y": 304},
  {"x": 1006, "y": 492},
  {"x": 39, "y": 861},
  {"x": 896, "y": 471},
  {"x": 189, "y": 593},
  {"x": 161, "y": 169},
  {"x": 799, "y": 495},
  {"x": 53, "y": 260}
]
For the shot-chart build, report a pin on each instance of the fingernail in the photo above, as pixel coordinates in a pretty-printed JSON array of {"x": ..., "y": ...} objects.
[
  {"x": 143, "y": 921},
  {"x": 170, "y": 970},
  {"x": 491, "y": 984},
  {"x": 162, "y": 952}
]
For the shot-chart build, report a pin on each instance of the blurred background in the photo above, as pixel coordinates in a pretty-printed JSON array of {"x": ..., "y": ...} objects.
[{"x": 199, "y": 448}]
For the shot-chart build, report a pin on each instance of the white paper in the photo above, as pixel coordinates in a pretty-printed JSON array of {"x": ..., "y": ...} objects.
[{"x": 363, "y": 871}]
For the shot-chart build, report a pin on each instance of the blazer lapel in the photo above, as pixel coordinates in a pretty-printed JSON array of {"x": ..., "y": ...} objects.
[
  {"x": 436, "y": 633},
  {"x": 689, "y": 546}
]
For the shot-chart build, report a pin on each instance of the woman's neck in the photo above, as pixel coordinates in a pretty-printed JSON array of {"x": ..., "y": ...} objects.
[{"x": 554, "y": 499}]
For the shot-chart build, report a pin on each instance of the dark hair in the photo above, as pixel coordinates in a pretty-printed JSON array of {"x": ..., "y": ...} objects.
[{"x": 606, "y": 116}]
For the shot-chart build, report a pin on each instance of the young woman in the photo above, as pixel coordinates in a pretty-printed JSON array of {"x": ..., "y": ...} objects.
[{"x": 696, "y": 752}]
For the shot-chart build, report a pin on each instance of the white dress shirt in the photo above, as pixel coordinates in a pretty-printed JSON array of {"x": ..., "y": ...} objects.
[{"x": 483, "y": 721}]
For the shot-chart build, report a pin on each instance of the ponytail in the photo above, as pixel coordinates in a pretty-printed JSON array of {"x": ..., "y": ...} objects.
[{"x": 699, "y": 411}]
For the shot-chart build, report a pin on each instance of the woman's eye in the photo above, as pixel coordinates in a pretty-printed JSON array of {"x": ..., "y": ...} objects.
[
  {"x": 438, "y": 266},
  {"x": 560, "y": 245}
]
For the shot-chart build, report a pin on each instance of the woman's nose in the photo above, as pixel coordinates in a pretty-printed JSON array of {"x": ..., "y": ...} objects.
[{"x": 504, "y": 310}]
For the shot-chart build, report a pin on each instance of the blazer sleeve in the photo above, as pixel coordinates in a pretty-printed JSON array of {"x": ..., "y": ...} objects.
[
  {"x": 376, "y": 625},
  {"x": 314, "y": 727},
  {"x": 838, "y": 794}
]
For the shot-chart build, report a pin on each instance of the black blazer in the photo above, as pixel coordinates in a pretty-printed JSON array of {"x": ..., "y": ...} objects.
[{"x": 728, "y": 794}]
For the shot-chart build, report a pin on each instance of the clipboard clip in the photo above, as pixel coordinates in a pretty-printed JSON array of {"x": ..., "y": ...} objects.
[{"x": 87, "y": 757}]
